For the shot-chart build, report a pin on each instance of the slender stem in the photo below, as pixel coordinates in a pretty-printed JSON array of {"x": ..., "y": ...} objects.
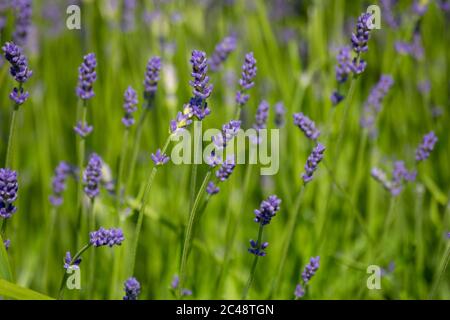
[
  {"x": 92, "y": 227},
  {"x": 444, "y": 264},
  {"x": 142, "y": 209},
  {"x": 197, "y": 152},
  {"x": 253, "y": 269},
  {"x": 237, "y": 114},
  {"x": 64, "y": 279},
  {"x": 188, "y": 232},
  {"x": 12, "y": 130},
  {"x": 289, "y": 235},
  {"x": 49, "y": 237},
  {"x": 121, "y": 167}
]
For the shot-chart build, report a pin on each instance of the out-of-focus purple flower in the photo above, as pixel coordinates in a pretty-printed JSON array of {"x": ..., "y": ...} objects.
[
  {"x": 311, "y": 164},
  {"x": 390, "y": 268},
  {"x": 336, "y": 98},
  {"x": 246, "y": 82},
  {"x": 7, "y": 243},
  {"x": 310, "y": 269},
  {"x": 373, "y": 104},
  {"x": 262, "y": 113},
  {"x": 92, "y": 176},
  {"x": 280, "y": 112},
  {"x": 361, "y": 36},
  {"x": 299, "y": 291},
  {"x": 226, "y": 169},
  {"x": 229, "y": 131},
  {"x": 151, "y": 78},
  {"x": 414, "y": 49},
  {"x": 159, "y": 158},
  {"x": 212, "y": 189},
  {"x": 425, "y": 148},
  {"x": 306, "y": 125},
  {"x": 68, "y": 263},
  {"x": 400, "y": 175},
  {"x": 267, "y": 210},
  {"x": 387, "y": 8},
  {"x": 106, "y": 237},
  {"x": 182, "y": 120},
  {"x": 424, "y": 86},
  {"x": 444, "y": 5},
  {"x": 23, "y": 13},
  {"x": 344, "y": 64},
  {"x": 256, "y": 249},
  {"x": 420, "y": 7},
  {"x": 358, "y": 67},
  {"x": 83, "y": 130},
  {"x": 87, "y": 77},
  {"x": 132, "y": 289},
  {"x": 8, "y": 192},
  {"x": 128, "y": 21},
  {"x": 221, "y": 52},
  {"x": 201, "y": 87},
  {"x": 380, "y": 176},
  {"x": 19, "y": 69},
  {"x": 19, "y": 96},
  {"x": 437, "y": 111},
  {"x": 59, "y": 182},
  {"x": 174, "y": 286},
  {"x": 130, "y": 106}
]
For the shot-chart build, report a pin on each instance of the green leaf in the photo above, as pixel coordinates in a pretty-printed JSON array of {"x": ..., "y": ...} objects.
[
  {"x": 13, "y": 291},
  {"x": 5, "y": 268}
]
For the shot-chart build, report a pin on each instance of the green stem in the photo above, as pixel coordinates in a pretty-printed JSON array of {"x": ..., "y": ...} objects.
[
  {"x": 12, "y": 130},
  {"x": 92, "y": 227},
  {"x": 49, "y": 238},
  {"x": 444, "y": 264},
  {"x": 253, "y": 269},
  {"x": 237, "y": 114},
  {"x": 193, "y": 187},
  {"x": 142, "y": 209},
  {"x": 121, "y": 167},
  {"x": 188, "y": 233}
]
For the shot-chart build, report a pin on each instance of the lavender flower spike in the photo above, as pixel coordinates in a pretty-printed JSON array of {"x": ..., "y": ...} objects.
[
  {"x": 306, "y": 125},
  {"x": 8, "y": 192},
  {"x": 262, "y": 113},
  {"x": 151, "y": 78},
  {"x": 59, "y": 183},
  {"x": 19, "y": 64},
  {"x": 68, "y": 261},
  {"x": 130, "y": 106},
  {"x": 311, "y": 164},
  {"x": 159, "y": 158},
  {"x": 23, "y": 13},
  {"x": 425, "y": 148},
  {"x": 344, "y": 64},
  {"x": 361, "y": 37},
  {"x": 299, "y": 291},
  {"x": 92, "y": 176},
  {"x": 226, "y": 169},
  {"x": 267, "y": 210},
  {"x": 106, "y": 237},
  {"x": 87, "y": 77},
  {"x": 221, "y": 52},
  {"x": 246, "y": 82},
  {"x": 310, "y": 269},
  {"x": 212, "y": 189},
  {"x": 229, "y": 131},
  {"x": 201, "y": 87},
  {"x": 280, "y": 112},
  {"x": 132, "y": 289},
  {"x": 256, "y": 249}
]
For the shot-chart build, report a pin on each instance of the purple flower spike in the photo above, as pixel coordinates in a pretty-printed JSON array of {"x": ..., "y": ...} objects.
[
  {"x": 212, "y": 189},
  {"x": 19, "y": 96},
  {"x": 310, "y": 269},
  {"x": 128, "y": 10},
  {"x": 7, "y": 243},
  {"x": 23, "y": 14},
  {"x": 226, "y": 170},
  {"x": 19, "y": 64},
  {"x": 425, "y": 148},
  {"x": 311, "y": 164},
  {"x": 92, "y": 176},
  {"x": 130, "y": 106},
  {"x": 159, "y": 158},
  {"x": 201, "y": 87},
  {"x": 358, "y": 67},
  {"x": 299, "y": 291},
  {"x": 152, "y": 78},
  {"x": 199, "y": 108},
  {"x": 68, "y": 262},
  {"x": 256, "y": 249},
  {"x": 267, "y": 210},
  {"x": 360, "y": 38},
  {"x": 106, "y": 237},
  {"x": 306, "y": 125},
  {"x": 8, "y": 192},
  {"x": 262, "y": 113},
  {"x": 87, "y": 77},
  {"x": 59, "y": 182},
  {"x": 344, "y": 64},
  {"x": 221, "y": 52},
  {"x": 336, "y": 98},
  {"x": 132, "y": 289},
  {"x": 280, "y": 112},
  {"x": 246, "y": 82},
  {"x": 83, "y": 130}
]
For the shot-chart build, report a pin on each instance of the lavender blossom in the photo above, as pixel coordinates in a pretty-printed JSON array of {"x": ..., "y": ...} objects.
[
  {"x": 19, "y": 96},
  {"x": 87, "y": 77},
  {"x": 414, "y": 48},
  {"x": 130, "y": 106},
  {"x": 336, "y": 98},
  {"x": 199, "y": 108},
  {"x": 68, "y": 262},
  {"x": 425, "y": 148},
  {"x": 280, "y": 112},
  {"x": 400, "y": 175},
  {"x": 246, "y": 82},
  {"x": 310, "y": 269},
  {"x": 380, "y": 176},
  {"x": 226, "y": 169},
  {"x": 132, "y": 289},
  {"x": 361, "y": 37},
  {"x": 213, "y": 160},
  {"x": 420, "y": 7},
  {"x": 128, "y": 9},
  {"x": 262, "y": 113},
  {"x": 388, "y": 14},
  {"x": 183, "y": 119},
  {"x": 19, "y": 69},
  {"x": 59, "y": 182},
  {"x": 83, "y": 130},
  {"x": 174, "y": 286},
  {"x": 221, "y": 52},
  {"x": 311, "y": 164},
  {"x": 299, "y": 291},
  {"x": 201, "y": 87},
  {"x": 258, "y": 250},
  {"x": 267, "y": 210},
  {"x": 307, "y": 126},
  {"x": 92, "y": 176},
  {"x": 159, "y": 158},
  {"x": 344, "y": 64},
  {"x": 229, "y": 131},
  {"x": 212, "y": 189},
  {"x": 151, "y": 78},
  {"x": 23, "y": 13},
  {"x": 8, "y": 192},
  {"x": 106, "y": 237}
]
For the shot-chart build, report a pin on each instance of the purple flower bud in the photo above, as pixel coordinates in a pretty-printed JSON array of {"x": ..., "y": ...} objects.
[
  {"x": 221, "y": 52},
  {"x": 132, "y": 289},
  {"x": 229, "y": 131},
  {"x": 7, "y": 244},
  {"x": 128, "y": 22},
  {"x": 199, "y": 108},
  {"x": 267, "y": 210},
  {"x": 68, "y": 262},
  {"x": 212, "y": 189},
  {"x": 19, "y": 96},
  {"x": 8, "y": 192},
  {"x": 262, "y": 113},
  {"x": 258, "y": 250},
  {"x": 360, "y": 38},
  {"x": 201, "y": 87},
  {"x": 130, "y": 106},
  {"x": 159, "y": 158},
  {"x": 310, "y": 269},
  {"x": 92, "y": 176},
  {"x": 182, "y": 120},
  {"x": 106, "y": 237},
  {"x": 299, "y": 291},
  {"x": 280, "y": 112},
  {"x": 87, "y": 77},
  {"x": 307, "y": 126},
  {"x": 59, "y": 182},
  {"x": 425, "y": 148},
  {"x": 336, "y": 98},
  {"x": 83, "y": 130},
  {"x": 311, "y": 164},
  {"x": 358, "y": 67},
  {"x": 226, "y": 169},
  {"x": 152, "y": 78},
  {"x": 246, "y": 82},
  {"x": 19, "y": 64},
  {"x": 175, "y": 283},
  {"x": 344, "y": 64}
]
